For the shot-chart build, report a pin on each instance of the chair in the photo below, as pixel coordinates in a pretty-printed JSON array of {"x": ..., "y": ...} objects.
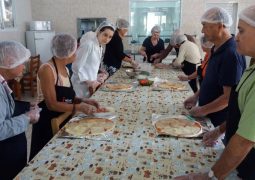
[
  {"x": 55, "y": 122},
  {"x": 29, "y": 82}
]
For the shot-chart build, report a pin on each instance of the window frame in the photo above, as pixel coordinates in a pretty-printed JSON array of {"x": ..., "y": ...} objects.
[
  {"x": 137, "y": 38},
  {"x": 2, "y": 23}
]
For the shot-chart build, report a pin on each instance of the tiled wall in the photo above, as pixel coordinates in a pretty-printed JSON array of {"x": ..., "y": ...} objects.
[{"x": 64, "y": 13}]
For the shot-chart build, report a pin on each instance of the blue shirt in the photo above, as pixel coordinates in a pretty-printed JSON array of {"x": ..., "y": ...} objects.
[
  {"x": 225, "y": 68},
  {"x": 10, "y": 126}
]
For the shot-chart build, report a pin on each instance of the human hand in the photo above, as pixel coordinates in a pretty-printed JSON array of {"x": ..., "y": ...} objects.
[
  {"x": 190, "y": 102},
  {"x": 193, "y": 176},
  {"x": 134, "y": 64},
  {"x": 91, "y": 102},
  {"x": 101, "y": 77},
  {"x": 92, "y": 86},
  {"x": 102, "y": 70},
  {"x": 183, "y": 77},
  {"x": 34, "y": 115},
  {"x": 156, "y": 61},
  {"x": 87, "y": 108},
  {"x": 102, "y": 110},
  {"x": 161, "y": 66},
  {"x": 155, "y": 56},
  {"x": 143, "y": 53},
  {"x": 210, "y": 138},
  {"x": 197, "y": 111}
]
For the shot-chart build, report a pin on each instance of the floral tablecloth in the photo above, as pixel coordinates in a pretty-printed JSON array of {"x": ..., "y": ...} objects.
[{"x": 134, "y": 152}]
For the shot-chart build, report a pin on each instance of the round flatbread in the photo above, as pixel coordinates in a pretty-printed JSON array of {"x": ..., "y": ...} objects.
[
  {"x": 172, "y": 86},
  {"x": 118, "y": 87},
  {"x": 89, "y": 126},
  {"x": 178, "y": 127}
]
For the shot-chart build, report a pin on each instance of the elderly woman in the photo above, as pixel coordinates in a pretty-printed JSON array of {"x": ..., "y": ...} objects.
[
  {"x": 239, "y": 153},
  {"x": 57, "y": 89},
  {"x": 85, "y": 77},
  {"x": 114, "y": 52},
  {"x": 152, "y": 45},
  {"x": 13, "y": 143}
]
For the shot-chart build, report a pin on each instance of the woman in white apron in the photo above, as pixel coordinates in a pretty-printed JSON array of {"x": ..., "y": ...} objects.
[{"x": 85, "y": 76}]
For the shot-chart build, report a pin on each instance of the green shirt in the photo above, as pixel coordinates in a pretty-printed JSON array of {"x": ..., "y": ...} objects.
[{"x": 246, "y": 103}]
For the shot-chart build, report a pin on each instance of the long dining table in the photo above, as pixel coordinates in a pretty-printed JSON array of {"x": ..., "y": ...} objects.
[{"x": 134, "y": 151}]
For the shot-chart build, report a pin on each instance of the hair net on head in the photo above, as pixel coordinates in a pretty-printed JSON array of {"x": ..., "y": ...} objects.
[
  {"x": 63, "y": 45},
  {"x": 217, "y": 15},
  {"x": 174, "y": 36},
  {"x": 205, "y": 43},
  {"x": 156, "y": 29},
  {"x": 248, "y": 15},
  {"x": 105, "y": 24},
  {"x": 122, "y": 24},
  {"x": 12, "y": 54},
  {"x": 181, "y": 38}
]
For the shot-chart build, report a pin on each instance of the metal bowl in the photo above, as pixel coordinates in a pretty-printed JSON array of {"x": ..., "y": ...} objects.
[{"x": 131, "y": 73}]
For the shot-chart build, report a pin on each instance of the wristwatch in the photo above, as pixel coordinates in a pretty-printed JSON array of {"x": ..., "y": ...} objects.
[{"x": 211, "y": 175}]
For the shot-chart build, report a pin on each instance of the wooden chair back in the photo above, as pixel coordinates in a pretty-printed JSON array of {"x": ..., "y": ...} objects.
[{"x": 29, "y": 79}]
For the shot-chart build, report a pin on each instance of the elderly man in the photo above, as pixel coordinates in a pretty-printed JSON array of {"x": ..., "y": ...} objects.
[
  {"x": 240, "y": 132},
  {"x": 224, "y": 70}
]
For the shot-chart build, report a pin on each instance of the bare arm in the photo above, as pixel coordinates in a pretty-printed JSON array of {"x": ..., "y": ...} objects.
[
  {"x": 47, "y": 82},
  {"x": 166, "y": 51},
  {"x": 142, "y": 51},
  {"x": 181, "y": 57},
  {"x": 232, "y": 156},
  {"x": 193, "y": 75}
]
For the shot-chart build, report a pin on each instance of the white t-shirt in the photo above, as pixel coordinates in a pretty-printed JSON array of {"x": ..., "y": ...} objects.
[
  {"x": 86, "y": 65},
  {"x": 188, "y": 51}
]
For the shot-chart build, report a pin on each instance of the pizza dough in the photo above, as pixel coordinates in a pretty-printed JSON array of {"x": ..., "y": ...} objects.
[
  {"x": 178, "y": 127},
  {"x": 89, "y": 126},
  {"x": 120, "y": 86},
  {"x": 172, "y": 86}
]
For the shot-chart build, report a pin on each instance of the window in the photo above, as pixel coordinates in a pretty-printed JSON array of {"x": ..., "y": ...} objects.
[
  {"x": 6, "y": 14},
  {"x": 144, "y": 14}
]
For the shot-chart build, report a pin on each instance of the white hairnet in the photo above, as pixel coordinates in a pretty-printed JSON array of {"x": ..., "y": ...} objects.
[
  {"x": 12, "y": 54},
  {"x": 205, "y": 43},
  {"x": 122, "y": 24},
  {"x": 156, "y": 29},
  {"x": 105, "y": 24},
  {"x": 217, "y": 15},
  {"x": 63, "y": 45},
  {"x": 181, "y": 38},
  {"x": 174, "y": 36},
  {"x": 248, "y": 15}
]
